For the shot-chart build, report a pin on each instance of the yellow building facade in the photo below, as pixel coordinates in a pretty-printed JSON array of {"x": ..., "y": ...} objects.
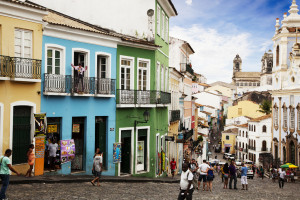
[
  {"x": 21, "y": 34},
  {"x": 228, "y": 140},
  {"x": 244, "y": 108}
]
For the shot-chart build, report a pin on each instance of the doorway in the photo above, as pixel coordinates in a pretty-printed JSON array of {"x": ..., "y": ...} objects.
[
  {"x": 227, "y": 149},
  {"x": 142, "y": 150},
  {"x": 78, "y": 129},
  {"x": 21, "y": 133},
  {"x": 126, "y": 152},
  {"x": 100, "y": 138},
  {"x": 79, "y": 80}
]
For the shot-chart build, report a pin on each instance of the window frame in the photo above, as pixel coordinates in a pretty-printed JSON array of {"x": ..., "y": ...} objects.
[
  {"x": 158, "y": 70},
  {"x": 292, "y": 122},
  {"x": 22, "y": 43},
  {"x": 148, "y": 61},
  {"x": 162, "y": 77},
  {"x": 63, "y": 57},
  {"x": 158, "y": 19},
  {"x": 284, "y": 118},
  {"x": 131, "y": 67},
  {"x": 167, "y": 29},
  {"x": 163, "y": 28},
  {"x": 87, "y": 62},
  {"x": 275, "y": 116},
  {"x": 298, "y": 118},
  {"x": 108, "y": 63}
]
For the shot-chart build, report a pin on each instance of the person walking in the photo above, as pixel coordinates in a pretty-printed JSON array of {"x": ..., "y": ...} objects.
[
  {"x": 262, "y": 172},
  {"x": 52, "y": 147},
  {"x": 203, "y": 168},
  {"x": 173, "y": 166},
  {"x": 210, "y": 177},
  {"x": 186, "y": 186},
  {"x": 232, "y": 172},
  {"x": 97, "y": 168},
  {"x": 244, "y": 180},
  {"x": 193, "y": 166},
  {"x": 31, "y": 159},
  {"x": 5, "y": 166},
  {"x": 253, "y": 169},
  {"x": 225, "y": 175},
  {"x": 281, "y": 177}
]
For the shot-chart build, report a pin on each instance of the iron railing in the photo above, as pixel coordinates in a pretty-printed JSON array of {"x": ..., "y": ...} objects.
[
  {"x": 142, "y": 97},
  {"x": 264, "y": 149},
  {"x": 189, "y": 69},
  {"x": 245, "y": 150},
  {"x": 5, "y": 69},
  {"x": 85, "y": 85},
  {"x": 175, "y": 115},
  {"x": 17, "y": 67}
]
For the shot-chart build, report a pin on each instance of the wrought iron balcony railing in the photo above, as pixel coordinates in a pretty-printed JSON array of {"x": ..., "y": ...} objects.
[
  {"x": 87, "y": 85},
  {"x": 142, "y": 97},
  {"x": 5, "y": 69},
  {"x": 16, "y": 67},
  {"x": 175, "y": 115}
]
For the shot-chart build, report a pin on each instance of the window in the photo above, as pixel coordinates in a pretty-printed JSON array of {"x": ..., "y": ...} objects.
[
  {"x": 23, "y": 43},
  {"x": 275, "y": 116},
  {"x": 243, "y": 134},
  {"x": 264, "y": 146},
  {"x": 143, "y": 75},
  {"x": 284, "y": 116},
  {"x": 292, "y": 118},
  {"x": 298, "y": 118},
  {"x": 264, "y": 129},
  {"x": 246, "y": 134},
  {"x": 240, "y": 111},
  {"x": 102, "y": 67},
  {"x": 167, "y": 29},
  {"x": 258, "y": 84},
  {"x": 162, "y": 78},
  {"x": 166, "y": 80},
  {"x": 80, "y": 57},
  {"x": 254, "y": 128},
  {"x": 163, "y": 33},
  {"x": 158, "y": 20},
  {"x": 227, "y": 137},
  {"x": 126, "y": 81},
  {"x": 157, "y": 77},
  {"x": 250, "y": 84},
  {"x": 277, "y": 55},
  {"x": 54, "y": 61}
]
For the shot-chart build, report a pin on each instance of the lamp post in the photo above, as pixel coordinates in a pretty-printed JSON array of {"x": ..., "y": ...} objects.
[{"x": 146, "y": 116}]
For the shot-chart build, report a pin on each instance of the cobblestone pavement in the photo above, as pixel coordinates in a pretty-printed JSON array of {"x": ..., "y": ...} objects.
[{"x": 258, "y": 189}]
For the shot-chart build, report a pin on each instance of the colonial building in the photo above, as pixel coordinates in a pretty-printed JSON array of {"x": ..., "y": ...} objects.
[{"x": 286, "y": 92}]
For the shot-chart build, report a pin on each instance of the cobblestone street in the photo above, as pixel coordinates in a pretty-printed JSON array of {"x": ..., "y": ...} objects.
[{"x": 258, "y": 189}]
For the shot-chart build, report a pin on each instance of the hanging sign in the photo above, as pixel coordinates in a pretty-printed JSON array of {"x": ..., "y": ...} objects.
[
  {"x": 52, "y": 128},
  {"x": 117, "y": 153},
  {"x": 67, "y": 148},
  {"x": 76, "y": 128},
  {"x": 40, "y": 124},
  {"x": 39, "y": 156}
]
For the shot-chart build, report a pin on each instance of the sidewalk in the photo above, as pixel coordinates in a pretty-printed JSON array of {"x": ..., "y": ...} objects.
[{"x": 86, "y": 178}]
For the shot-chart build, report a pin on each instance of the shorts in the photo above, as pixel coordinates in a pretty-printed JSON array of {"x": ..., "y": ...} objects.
[
  {"x": 210, "y": 178},
  {"x": 244, "y": 180},
  {"x": 98, "y": 174},
  {"x": 172, "y": 171},
  {"x": 202, "y": 177}
]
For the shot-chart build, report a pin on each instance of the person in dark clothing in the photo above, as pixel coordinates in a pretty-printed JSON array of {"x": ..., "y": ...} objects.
[
  {"x": 225, "y": 175},
  {"x": 232, "y": 172}
]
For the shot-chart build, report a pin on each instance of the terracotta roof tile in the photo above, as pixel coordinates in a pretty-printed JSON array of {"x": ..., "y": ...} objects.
[
  {"x": 261, "y": 118},
  {"x": 243, "y": 125},
  {"x": 232, "y": 130}
]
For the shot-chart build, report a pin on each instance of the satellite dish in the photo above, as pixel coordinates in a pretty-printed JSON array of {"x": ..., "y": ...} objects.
[{"x": 150, "y": 12}]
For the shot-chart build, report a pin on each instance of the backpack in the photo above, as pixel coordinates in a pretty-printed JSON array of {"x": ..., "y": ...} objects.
[{"x": 194, "y": 181}]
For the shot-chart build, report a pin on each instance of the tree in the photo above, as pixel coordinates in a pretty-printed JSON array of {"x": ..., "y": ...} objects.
[{"x": 265, "y": 107}]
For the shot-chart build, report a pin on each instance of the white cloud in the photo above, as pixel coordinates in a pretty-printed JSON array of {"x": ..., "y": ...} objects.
[
  {"x": 214, "y": 50},
  {"x": 189, "y": 2}
]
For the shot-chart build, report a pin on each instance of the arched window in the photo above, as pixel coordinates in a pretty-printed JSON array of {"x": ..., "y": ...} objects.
[
  {"x": 243, "y": 145},
  {"x": 254, "y": 145},
  {"x": 264, "y": 146},
  {"x": 246, "y": 134},
  {"x": 264, "y": 129},
  {"x": 243, "y": 134},
  {"x": 239, "y": 144},
  {"x": 254, "y": 129},
  {"x": 277, "y": 55}
]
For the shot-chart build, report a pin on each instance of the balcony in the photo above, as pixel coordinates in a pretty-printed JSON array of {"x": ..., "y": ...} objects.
[
  {"x": 245, "y": 150},
  {"x": 186, "y": 68},
  {"x": 142, "y": 97},
  {"x": 88, "y": 86},
  {"x": 264, "y": 149},
  {"x": 175, "y": 115},
  {"x": 20, "y": 69}
]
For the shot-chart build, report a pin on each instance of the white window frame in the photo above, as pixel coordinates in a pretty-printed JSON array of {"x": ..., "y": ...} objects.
[
  {"x": 285, "y": 117},
  {"x": 158, "y": 20},
  {"x": 298, "y": 119},
  {"x": 292, "y": 118},
  {"x": 163, "y": 28},
  {"x": 166, "y": 79},
  {"x": 162, "y": 70},
  {"x": 131, "y": 71},
  {"x": 108, "y": 63},
  {"x": 167, "y": 29},
  {"x": 148, "y": 72},
  {"x": 158, "y": 76},
  {"x": 22, "y": 42},
  {"x": 63, "y": 56},
  {"x": 87, "y": 62},
  {"x": 132, "y": 148},
  {"x": 148, "y": 149}
]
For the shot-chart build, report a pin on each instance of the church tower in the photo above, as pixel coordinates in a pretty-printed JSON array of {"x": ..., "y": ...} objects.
[
  {"x": 266, "y": 68},
  {"x": 237, "y": 64}
]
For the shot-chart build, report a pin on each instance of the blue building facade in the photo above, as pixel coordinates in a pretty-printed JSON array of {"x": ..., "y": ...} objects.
[{"x": 80, "y": 107}]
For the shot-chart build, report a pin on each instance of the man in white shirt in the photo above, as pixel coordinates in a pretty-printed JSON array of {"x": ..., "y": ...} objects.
[
  {"x": 203, "y": 168},
  {"x": 281, "y": 178},
  {"x": 52, "y": 147},
  {"x": 186, "y": 186}
]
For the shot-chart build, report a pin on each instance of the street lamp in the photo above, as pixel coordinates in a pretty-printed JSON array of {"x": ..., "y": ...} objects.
[{"x": 146, "y": 116}]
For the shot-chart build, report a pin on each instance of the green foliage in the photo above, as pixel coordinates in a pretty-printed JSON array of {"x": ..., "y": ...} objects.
[{"x": 265, "y": 107}]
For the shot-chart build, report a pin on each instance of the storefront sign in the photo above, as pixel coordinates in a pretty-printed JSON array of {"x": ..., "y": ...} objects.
[
  {"x": 117, "y": 153},
  {"x": 67, "y": 148},
  {"x": 39, "y": 156},
  {"x": 40, "y": 124},
  {"x": 76, "y": 128},
  {"x": 52, "y": 128}
]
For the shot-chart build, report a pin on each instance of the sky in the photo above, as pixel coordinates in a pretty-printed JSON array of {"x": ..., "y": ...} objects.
[{"x": 217, "y": 30}]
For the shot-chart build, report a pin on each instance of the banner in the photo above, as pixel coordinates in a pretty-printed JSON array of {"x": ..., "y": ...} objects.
[
  {"x": 117, "y": 153},
  {"x": 40, "y": 124},
  {"x": 67, "y": 150},
  {"x": 39, "y": 156},
  {"x": 163, "y": 161}
]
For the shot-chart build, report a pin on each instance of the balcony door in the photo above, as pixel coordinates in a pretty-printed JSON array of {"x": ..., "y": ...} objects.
[
  {"x": 143, "y": 92},
  {"x": 23, "y": 66},
  {"x": 103, "y": 83},
  {"x": 81, "y": 83},
  {"x": 126, "y": 84}
]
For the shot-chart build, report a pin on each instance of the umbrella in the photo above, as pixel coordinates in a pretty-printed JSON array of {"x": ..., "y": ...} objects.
[{"x": 288, "y": 165}]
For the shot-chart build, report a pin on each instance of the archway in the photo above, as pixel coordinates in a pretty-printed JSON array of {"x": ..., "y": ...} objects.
[{"x": 292, "y": 150}]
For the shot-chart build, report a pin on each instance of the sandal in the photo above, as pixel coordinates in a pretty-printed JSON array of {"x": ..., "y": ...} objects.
[{"x": 92, "y": 183}]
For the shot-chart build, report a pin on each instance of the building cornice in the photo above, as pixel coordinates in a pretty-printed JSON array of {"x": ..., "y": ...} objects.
[
  {"x": 285, "y": 92},
  {"x": 168, "y": 7}
]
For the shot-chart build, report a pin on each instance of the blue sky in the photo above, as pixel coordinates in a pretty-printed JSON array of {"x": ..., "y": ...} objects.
[{"x": 219, "y": 29}]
